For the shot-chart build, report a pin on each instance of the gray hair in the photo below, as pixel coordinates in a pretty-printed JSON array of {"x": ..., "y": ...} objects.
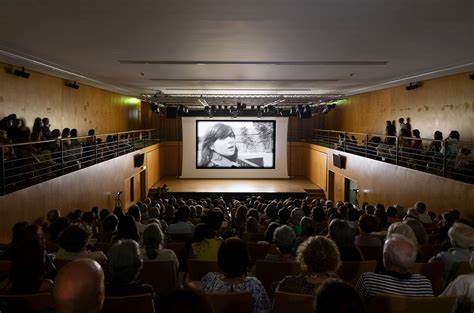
[
  {"x": 461, "y": 235},
  {"x": 153, "y": 238},
  {"x": 402, "y": 229},
  {"x": 399, "y": 254},
  {"x": 284, "y": 237},
  {"x": 124, "y": 261},
  {"x": 296, "y": 215}
]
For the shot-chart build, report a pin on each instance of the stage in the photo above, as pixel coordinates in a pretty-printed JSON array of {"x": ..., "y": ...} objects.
[{"x": 238, "y": 188}]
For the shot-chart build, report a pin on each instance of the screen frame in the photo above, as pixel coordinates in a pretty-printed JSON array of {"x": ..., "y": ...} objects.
[{"x": 235, "y": 168}]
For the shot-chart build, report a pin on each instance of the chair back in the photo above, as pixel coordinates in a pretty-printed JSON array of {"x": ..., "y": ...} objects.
[
  {"x": 253, "y": 237},
  {"x": 161, "y": 275},
  {"x": 434, "y": 272},
  {"x": 230, "y": 302},
  {"x": 372, "y": 253},
  {"x": 257, "y": 251},
  {"x": 428, "y": 251},
  {"x": 181, "y": 251},
  {"x": 197, "y": 269},
  {"x": 400, "y": 304},
  {"x": 292, "y": 302},
  {"x": 270, "y": 272},
  {"x": 28, "y": 303},
  {"x": 351, "y": 271},
  {"x": 129, "y": 304},
  {"x": 60, "y": 263}
]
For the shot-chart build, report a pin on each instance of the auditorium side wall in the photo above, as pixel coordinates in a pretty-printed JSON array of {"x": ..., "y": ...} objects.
[
  {"x": 92, "y": 186},
  {"x": 380, "y": 182},
  {"x": 88, "y": 107},
  {"x": 444, "y": 104}
]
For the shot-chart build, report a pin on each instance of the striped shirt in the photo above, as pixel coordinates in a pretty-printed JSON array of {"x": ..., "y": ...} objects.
[{"x": 370, "y": 284}]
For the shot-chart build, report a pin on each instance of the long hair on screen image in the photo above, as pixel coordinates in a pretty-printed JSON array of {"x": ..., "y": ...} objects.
[{"x": 217, "y": 132}]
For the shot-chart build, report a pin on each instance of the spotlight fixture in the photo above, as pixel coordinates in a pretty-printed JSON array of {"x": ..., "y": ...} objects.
[
  {"x": 70, "y": 84},
  {"x": 413, "y": 86},
  {"x": 18, "y": 72}
]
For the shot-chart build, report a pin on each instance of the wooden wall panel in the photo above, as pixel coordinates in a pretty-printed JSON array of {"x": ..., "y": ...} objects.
[
  {"x": 95, "y": 185},
  {"x": 443, "y": 104},
  {"x": 46, "y": 96},
  {"x": 389, "y": 184}
]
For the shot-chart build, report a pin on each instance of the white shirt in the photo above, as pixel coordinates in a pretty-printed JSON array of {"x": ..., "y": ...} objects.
[
  {"x": 181, "y": 228},
  {"x": 463, "y": 285}
]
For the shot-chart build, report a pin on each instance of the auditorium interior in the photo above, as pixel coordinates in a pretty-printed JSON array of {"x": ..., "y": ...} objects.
[{"x": 238, "y": 156}]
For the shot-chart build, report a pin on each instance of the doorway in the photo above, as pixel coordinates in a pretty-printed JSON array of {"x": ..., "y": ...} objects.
[
  {"x": 350, "y": 190},
  {"x": 331, "y": 185}
]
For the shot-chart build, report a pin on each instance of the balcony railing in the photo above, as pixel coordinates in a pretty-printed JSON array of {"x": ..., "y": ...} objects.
[
  {"x": 447, "y": 158},
  {"x": 30, "y": 163}
]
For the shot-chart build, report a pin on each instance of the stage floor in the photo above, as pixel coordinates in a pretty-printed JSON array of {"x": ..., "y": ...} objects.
[{"x": 294, "y": 185}]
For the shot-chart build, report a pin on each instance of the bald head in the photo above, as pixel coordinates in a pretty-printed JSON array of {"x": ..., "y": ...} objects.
[
  {"x": 79, "y": 287},
  {"x": 399, "y": 254}
]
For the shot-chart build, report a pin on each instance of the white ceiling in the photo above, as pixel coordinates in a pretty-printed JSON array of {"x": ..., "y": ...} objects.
[{"x": 248, "y": 38}]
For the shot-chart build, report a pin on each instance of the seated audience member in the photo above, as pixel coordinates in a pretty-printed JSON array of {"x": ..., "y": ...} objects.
[
  {"x": 127, "y": 229},
  {"x": 268, "y": 235},
  {"x": 233, "y": 260},
  {"x": 320, "y": 220},
  {"x": 29, "y": 263},
  {"x": 153, "y": 241},
  {"x": 79, "y": 287},
  {"x": 344, "y": 237},
  {"x": 352, "y": 217},
  {"x": 319, "y": 259},
  {"x": 462, "y": 242},
  {"x": 402, "y": 229},
  {"x": 367, "y": 225},
  {"x": 284, "y": 239},
  {"x": 134, "y": 211},
  {"x": 73, "y": 245},
  {"x": 392, "y": 215},
  {"x": 412, "y": 220},
  {"x": 123, "y": 268},
  {"x": 251, "y": 225},
  {"x": 307, "y": 230},
  {"x": 399, "y": 257},
  {"x": 205, "y": 244},
  {"x": 182, "y": 225},
  {"x": 336, "y": 296},
  {"x": 295, "y": 219},
  {"x": 109, "y": 229},
  {"x": 56, "y": 228},
  {"x": 462, "y": 286},
  {"x": 423, "y": 216}
]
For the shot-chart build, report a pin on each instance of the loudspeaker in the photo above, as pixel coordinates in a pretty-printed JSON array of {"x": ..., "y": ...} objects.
[
  {"x": 171, "y": 112},
  {"x": 138, "y": 160},
  {"x": 339, "y": 161}
]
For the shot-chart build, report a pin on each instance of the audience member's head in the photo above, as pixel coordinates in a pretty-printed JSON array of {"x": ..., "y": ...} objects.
[
  {"x": 283, "y": 215},
  {"x": 79, "y": 287},
  {"x": 153, "y": 239},
  {"x": 182, "y": 214},
  {"x": 461, "y": 236},
  {"x": 402, "y": 229},
  {"x": 368, "y": 224},
  {"x": 342, "y": 234},
  {"x": 317, "y": 255},
  {"x": 233, "y": 257},
  {"x": 127, "y": 229},
  {"x": 74, "y": 238},
  {"x": 399, "y": 254},
  {"x": 52, "y": 215},
  {"x": 284, "y": 238},
  {"x": 336, "y": 296},
  {"x": 110, "y": 224},
  {"x": 269, "y": 231},
  {"x": 203, "y": 232},
  {"x": 420, "y": 207},
  {"x": 124, "y": 262},
  {"x": 251, "y": 225},
  {"x": 307, "y": 227},
  {"x": 134, "y": 211}
]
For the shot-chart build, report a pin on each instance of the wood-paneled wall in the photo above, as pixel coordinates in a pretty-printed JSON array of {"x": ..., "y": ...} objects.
[
  {"x": 380, "y": 182},
  {"x": 46, "y": 96},
  {"x": 92, "y": 186},
  {"x": 444, "y": 104}
]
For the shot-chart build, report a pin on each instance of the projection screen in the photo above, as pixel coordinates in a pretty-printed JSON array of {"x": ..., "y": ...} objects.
[{"x": 234, "y": 147}]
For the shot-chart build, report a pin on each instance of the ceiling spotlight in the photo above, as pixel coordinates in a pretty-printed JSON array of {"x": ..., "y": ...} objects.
[
  {"x": 292, "y": 111},
  {"x": 17, "y": 72}
]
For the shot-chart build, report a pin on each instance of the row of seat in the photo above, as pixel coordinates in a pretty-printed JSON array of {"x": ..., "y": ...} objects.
[{"x": 242, "y": 302}]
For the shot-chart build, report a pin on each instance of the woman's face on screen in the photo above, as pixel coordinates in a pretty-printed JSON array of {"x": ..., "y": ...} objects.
[{"x": 224, "y": 146}]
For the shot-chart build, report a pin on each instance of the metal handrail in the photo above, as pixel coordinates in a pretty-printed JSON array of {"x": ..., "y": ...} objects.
[
  {"x": 29, "y": 163},
  {"x": 432, "y": 158}
]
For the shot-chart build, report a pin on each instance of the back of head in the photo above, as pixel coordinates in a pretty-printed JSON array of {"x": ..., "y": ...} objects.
[
  {"x": 153, "y": 238},
  {"x": 368, "y": 223},
  {"x": 461, "y": 236},
  {"x": 284, "y": 215},
  {"x": 110, "y": 224},
  {"x": 127, "y": 229},
  {"x": 413, "y": 213},
  {"x": 182, "y": 214},
  {"x": 124, "y": 262},
  {"x": 399, "y": 254},
  {"x": 341, "y": 233},
  {"x": 79, "y": 287},
  {"x": 284, "y": 238},
  {"x": 233, "y": 257},
  {"x": 134, "y": 211},
  {"x": 318, "y": 254},
  {"x": 420, "y": 207},
  {"x": 336, "y": 296},
  {"x": 74, "y": 238},
  {"x": 402, "y": 229},
  {"x": 307, "y": 227}
]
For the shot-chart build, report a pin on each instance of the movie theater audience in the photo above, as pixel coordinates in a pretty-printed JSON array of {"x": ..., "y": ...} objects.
[{"x": 153, "y": 246}]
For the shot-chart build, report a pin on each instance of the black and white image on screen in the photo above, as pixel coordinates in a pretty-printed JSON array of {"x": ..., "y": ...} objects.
[{"x": 235, "y": 144}]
